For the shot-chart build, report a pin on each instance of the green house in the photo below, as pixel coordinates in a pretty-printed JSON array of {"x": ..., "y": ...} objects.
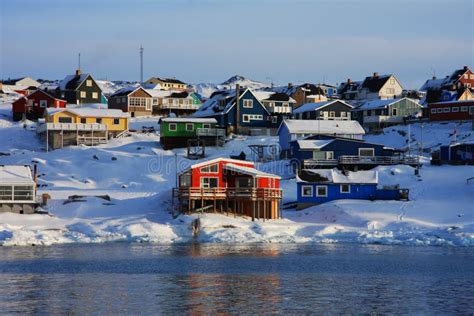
[{"x": 175, "y": 132}]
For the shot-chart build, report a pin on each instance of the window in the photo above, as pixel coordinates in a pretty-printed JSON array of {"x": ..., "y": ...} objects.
[
  {"x": 332, "y": 114},
  {"x": 124, "y": 100},
  {"x": 392, "y": 81},
  {"x": 6, "y": 192},
  {"x": 455, "y": 109},
  {"x": 138, "y": 102},
  {"x": 366, "y": 152},
  {"x": 185, "y": 180},
  {"x": 390, "y": 91},
  {"x": 89, "y": 83},
  {"x": 274, "y": 119},
  {"x": 65, "y": 120},
  {"x": 43, "y": 103},
  {"x": 23, "y": 193},
  {"x": 394, "y": 112},
  {"x": 214, "y": 168},
  {"x": 95, "y": 95},
  {"x": 343, "y": 114},
  {"x": 471, "y": 110},
  {"x": 244, "y": 182},
  {"x": 433, "y": 111},
  {"x": 439, "y": 110},
  {"x": 206, "y": 125},
  {"x": 248, "y": 103},
  {"x": 325, "y": 113},
  {"x": 246, "y": 118},
  {"x": 307, "y": 190},
  {"x": 116, "y": 121},
  {"x": 83, "y": 120},
  {"x": 98, "y": 120},
  {"x": 172, "y": 127},
  {"x": 446, "y": 110},
  {"x": 464, "y": 108},
  {"x": 345, "y": 188},
  {"x": 321, "y": 190},
  {"x": 329, "y": 155},
  {"x": 83, "y": 94},
  {"x": 207, "y": 182},
  {"x": 189, "y": 127}
]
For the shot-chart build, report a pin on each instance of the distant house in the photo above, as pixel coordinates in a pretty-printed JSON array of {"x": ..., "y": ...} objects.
[
  {"x": 17, "y": 189},
  {"x": 134, "y": 100},
  {"x": 322, "y": 151},
  {"x": 79, "y": 89},
  {"x": 324, "y": 185},
  {"x": 291, "y": 130},
  {"x": 23, "y": 82},
  {"x": 176, "y": 132},
  {"x": 165, "y": 84},
  {"x": 326, "y": 110},
  {"x": 77, "y": 126},
  {"x": 229, "y": 186},
  {"x": 450, "y": 88},
  {"x": 253, "y": 118},
  {"x": 377, "y": 114},
  {"x": 451, "y": 110},
  {"x": 22, "y": 86},
  {"x": 32, "y": 107},
  {"x": 454, "y": 154},
  {"x": 174, "y": 102},
  {"x": 306, "y": 93},
  {"x": 280, "y": 105},
  {"x": 372, "y": 88}
]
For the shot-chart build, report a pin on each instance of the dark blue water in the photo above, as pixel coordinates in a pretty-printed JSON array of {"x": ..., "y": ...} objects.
[{"x": 239, "y": 279}]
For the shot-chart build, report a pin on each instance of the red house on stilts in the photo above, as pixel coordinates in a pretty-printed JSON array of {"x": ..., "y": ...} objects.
[
  {"x": 229, "y": 186},
  {"x": 33, "y": 105}
]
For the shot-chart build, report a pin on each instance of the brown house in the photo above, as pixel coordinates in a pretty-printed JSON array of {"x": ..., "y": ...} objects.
[{"x": 135, "y": 100}]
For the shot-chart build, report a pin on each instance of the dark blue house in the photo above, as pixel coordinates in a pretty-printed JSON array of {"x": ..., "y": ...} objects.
[
  {"x": 254, "y": 117},
  {"x": 322, "y": 151},
  {"x": 454, "y": 154},
  {"x": 323, "y": 185}
]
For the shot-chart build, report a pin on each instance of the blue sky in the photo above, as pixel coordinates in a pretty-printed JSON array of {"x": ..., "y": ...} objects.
[{"x": 211, "y": 40}]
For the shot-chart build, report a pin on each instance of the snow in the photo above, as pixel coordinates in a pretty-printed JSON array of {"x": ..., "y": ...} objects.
[
  {"x": 313, "y": 143},
  {"x": 377, "y": 104},
  {"x": 89, "y": 112},
  {"x": 137, "y": 175},
  {"x": 189, "y": 119},
  {"x": 13, "y": 174},
  {"x": 313, "y": 106},
  {"x": 323, "y": 127},
  {"x": 207, "y": 89},
  {"x": 336, "y": 176},
  {"x": 249, "y": 171}
]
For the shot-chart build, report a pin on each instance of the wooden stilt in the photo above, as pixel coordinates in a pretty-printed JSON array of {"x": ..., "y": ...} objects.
[{"x": 253, "y": 211}]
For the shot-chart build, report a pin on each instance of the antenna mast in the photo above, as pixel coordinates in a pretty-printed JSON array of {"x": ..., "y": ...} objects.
[
  {"x": 141, "y": 64},
  {"x": 79, "y": 61}
]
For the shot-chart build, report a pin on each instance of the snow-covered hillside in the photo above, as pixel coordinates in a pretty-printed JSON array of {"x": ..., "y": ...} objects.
[
  {"x": 138, "y": 176},
  {"x": 206, "y": 89}
]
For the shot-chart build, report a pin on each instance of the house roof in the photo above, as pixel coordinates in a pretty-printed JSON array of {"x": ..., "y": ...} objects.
[
  {"x": 309, "y": 107},
  {"x": 72, "y": 82},
  {"x": 310, "y": 144},
  {"x": 188, "y": 120},
  {"x": 249, "y": 171},
  {"x": 273, "y": 96},
  {"x": 323, "y": 127},
  {"x": 168, "y": 80},
  {"x": 216, "y": 160},
  {"x": 89, "y": 112},
  {"x": 375, "y": 83},
  {"x": 14, "y": 174},
  {"x": 338, "y": 177},
  {"x": 377, "y": 104},
  {"x": 433, "y": 84},
  {"x": 126, "y": 91}
]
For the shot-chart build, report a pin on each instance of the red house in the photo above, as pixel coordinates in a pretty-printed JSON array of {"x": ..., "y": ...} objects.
[
  {"x": 229, "y": 186},
  {"x": 451, "y": 110},
  {"x": 33, "y": 105}
]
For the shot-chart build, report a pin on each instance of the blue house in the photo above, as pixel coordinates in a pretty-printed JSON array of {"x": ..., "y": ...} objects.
[
  {"x": 454, "y": 154},
  {"x": 322, "y": 151},
  {"x": 254, "y": 117},
  {"x": 323, "y": 185}
]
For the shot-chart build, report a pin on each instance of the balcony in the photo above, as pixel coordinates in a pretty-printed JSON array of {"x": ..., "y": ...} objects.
[
  {"x": 43, "y": 127},
  {"x": 383, "y": 119},
  {"x": 172, "y": 106},
  {"x": 363, "y": 160},
  {"x": 210, "y": 132},
  {"x": 253, "y": 194}
]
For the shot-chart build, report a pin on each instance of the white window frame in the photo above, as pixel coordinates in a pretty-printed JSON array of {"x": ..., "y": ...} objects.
[
  {"x": 372, "y": 149},
  {"x": 118, "y": 120},
  {"x": 172, "y": 127},
  {"x": 43, "y": 103},
  {"x": 201, "y": 184},
  {"x": 329, "y": 155},
  {"x": 325, "y": 187},
  {"x": 394, "y": 112},
  {"x": 348, "y": 186},
  {"x": 464, "y": 108},
  {"x": 191, "y": 125},
  {"x": 455, "y": 109},
  {"x": 248, "y": 103},
  {"x": 274, "y": 119},
  {"x": 89, "y": 83},
  {"x": 246, "y": 118},
  {"x": 446, "y": 110},
  {"x": 83, "y": 94},
  {"x": 206, "y": 125},
  {"x": 210, "y": 167},
  {"x": 95, "y": 95},
  {"x": 303, "y": 187},
  {"x": 332, "y": 114},
  {"x": 434, "y": 110},
  {"x": 471, "y": 110}
]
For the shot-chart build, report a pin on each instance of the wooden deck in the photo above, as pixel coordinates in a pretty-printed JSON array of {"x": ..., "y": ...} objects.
[{"x": 361, "y": 161}]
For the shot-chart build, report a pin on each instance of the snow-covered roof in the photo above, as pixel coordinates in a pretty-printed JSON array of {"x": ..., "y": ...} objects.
[
  {"x": 308, "y": 107},
  {"x": 67, "y": 83},
  {"x": 337, "y": 176},
  {"x": 13, "y": 174},
  {"x": 216, "y": 160},
  {"x": 323, "y": 127},
  {"x": 189, "y": 119},
  {"x": 432, "y": 84},
  {"x": 377, "y": 104},
  {"x": 89, "y": 112},
  {"x": 313, "y": 143},
  {"x": 249, "y": 171},
  {"x": 453, "y": 102},
  {"x": 125, "y": 91}
]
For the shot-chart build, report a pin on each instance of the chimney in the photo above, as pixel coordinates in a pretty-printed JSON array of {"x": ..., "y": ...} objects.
[
  {"x": 465, "y": 68},
  {"x": 78, "y": 72},
  {"x": 349, "y": 81},
  {"x": 237, "y": 108},
  {"x": 434, "y": 77},
  {"x": 376, "y": 74},
  {"x": 290, "y": 85}
]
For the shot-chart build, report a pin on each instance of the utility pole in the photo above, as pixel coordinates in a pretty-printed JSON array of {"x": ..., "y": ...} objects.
[
  {"x": 141, "y": 64},
  {"x": 237, "y": 108}
]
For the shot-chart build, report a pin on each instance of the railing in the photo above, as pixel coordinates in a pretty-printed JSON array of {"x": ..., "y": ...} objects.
[
  {"x": 89, "y": 140},
  {"x": 179, "y": 106},
  {"x": 228, "y": 193},
  {"x": 383, "y": 119},
  {"x": 210, "y": 132},
  {"x": 43, "y": 127},
  {"x": 363, "y": 160}
]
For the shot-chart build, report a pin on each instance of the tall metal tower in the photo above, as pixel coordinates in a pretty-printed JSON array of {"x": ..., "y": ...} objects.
[{"x": 141, "y": 64}]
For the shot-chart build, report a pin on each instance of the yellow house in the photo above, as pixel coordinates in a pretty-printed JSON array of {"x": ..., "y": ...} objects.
[
  {"x": 114, "y": 120},
  {"x": 81, "y": 126},
  {"x": 166, "y": 83},
  {"x": 466, "y": 95}
]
